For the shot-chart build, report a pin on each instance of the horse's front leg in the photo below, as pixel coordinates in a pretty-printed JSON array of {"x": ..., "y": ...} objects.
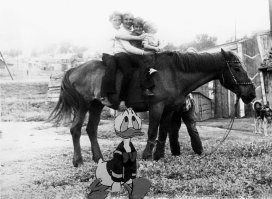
[
  {"x": 92, "y": 126},
  {"x": 173, "y": 133},
  {"x": 189, "y": 120},
  {"x": 164, "y": 127},
  {"x": 76, "y": 133},
  {"x": 155, "y": 113}
]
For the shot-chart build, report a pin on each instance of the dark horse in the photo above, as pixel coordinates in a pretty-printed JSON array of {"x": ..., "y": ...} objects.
[{"x": 178, "y": 75}]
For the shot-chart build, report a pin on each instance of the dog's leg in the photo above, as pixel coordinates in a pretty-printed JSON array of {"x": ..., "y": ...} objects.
[
  {"x": 265, "y": 126},
  {"x": 259, "y": 126},
  {"x": 255, "y": 126}
]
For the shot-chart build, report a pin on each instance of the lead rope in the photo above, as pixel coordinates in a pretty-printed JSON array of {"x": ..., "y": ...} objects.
[{"x": 227, "y": 131}]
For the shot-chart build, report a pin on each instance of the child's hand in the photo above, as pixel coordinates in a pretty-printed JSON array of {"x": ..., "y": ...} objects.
[
  {"x": 142, "y": 36},
  {"x": 145, "y": 42},
  {"x": 157, "y": 49},
  {"x": 116, "y": 187}
]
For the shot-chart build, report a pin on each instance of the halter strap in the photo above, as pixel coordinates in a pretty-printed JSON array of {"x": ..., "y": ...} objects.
[{"x": 233, "y": 77}]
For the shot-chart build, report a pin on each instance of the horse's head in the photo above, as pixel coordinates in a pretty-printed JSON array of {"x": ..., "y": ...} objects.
[{"x": 235, "y": 78}]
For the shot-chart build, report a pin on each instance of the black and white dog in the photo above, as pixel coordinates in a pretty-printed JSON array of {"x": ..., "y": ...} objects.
[{"x": 263, "y": 118}]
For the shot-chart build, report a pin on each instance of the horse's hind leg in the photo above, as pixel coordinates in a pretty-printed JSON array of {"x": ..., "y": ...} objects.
[
  {"x": 94, "y": 118},
  {"x": 164, "y": 126},
  {"x": 173, "y": 133},
  {"x": 76, "y": 133}
]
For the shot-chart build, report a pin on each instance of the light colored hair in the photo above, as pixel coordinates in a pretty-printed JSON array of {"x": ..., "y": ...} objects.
[
  {"x": 114, "y": 14},
  {"x": 149, "y": 27},
  {"x": 138, "y": 21},
  {"x": 127, "y": 14}
]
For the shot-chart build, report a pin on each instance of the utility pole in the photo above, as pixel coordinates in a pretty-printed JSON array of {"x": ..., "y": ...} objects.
[
  {"x": 270, "y": 14},
  {"x": 235, "y": 29},
  {"x": 1, "y": 56}
]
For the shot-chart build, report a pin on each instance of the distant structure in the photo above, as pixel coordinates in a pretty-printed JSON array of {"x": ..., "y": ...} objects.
[{"x": 252, "y": 52}]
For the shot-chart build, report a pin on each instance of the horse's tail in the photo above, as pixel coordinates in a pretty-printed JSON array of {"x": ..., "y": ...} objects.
[{"x": 69, "y": 101}]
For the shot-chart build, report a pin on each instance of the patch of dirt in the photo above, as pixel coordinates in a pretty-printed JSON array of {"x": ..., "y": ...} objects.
[{"x": 36, "y": 158}]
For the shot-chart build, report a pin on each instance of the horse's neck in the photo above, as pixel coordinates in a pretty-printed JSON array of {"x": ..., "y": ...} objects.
[
  {"x": 196, "y": 80},
  {"x": 208, "y": 69}
]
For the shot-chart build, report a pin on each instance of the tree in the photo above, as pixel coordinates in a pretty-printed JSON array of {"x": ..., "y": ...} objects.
[
  {"x": 14, "y": 52},
  {"x": 204, "y": 41},
  {"x": 65, "y": 47},
  {"x": 201, "y": 42},
  {"x": 170, "y": 47}
]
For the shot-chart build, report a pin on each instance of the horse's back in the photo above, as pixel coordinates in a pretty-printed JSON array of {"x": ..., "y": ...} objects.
[{"x": 87, "y": 79}]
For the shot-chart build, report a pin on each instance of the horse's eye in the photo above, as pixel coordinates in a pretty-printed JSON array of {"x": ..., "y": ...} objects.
[
  {"x": 237, "y": 69},
  {"x": 133, "y": 118},
  {"x": 126, "y": 119}
]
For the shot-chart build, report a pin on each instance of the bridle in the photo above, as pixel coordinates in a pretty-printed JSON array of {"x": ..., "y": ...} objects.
[
  {"x": 235, "y": 108},
  {"x": 237, "y": 83}
]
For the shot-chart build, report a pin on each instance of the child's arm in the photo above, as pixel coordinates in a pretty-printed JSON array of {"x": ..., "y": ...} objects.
[
  {"x": 131, "y": 49},
  {"x": 147, "y": 46},
  {"x": 126, "y": 36}
]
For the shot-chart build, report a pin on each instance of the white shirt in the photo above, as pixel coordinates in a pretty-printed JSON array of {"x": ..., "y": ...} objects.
[
  {"x": 110, "y": 41},
  {"x": 123, "y": 46}
]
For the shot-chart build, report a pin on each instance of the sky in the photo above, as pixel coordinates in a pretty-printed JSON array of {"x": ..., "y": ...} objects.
[{"x": 34, "y": 24}]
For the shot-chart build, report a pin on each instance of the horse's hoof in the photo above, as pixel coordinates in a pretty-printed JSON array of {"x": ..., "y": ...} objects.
[
  {"x": 78, "y": 162},
  {"x": 176, "y": 153},
  {"x": 198, "y": 149},
  {"x": 97, "y": 158},
  {"x": 175, "y": 150},
  {"x": 198, "y": 152},
  {"x": 157, "y": 156},
  {"x": 158, "y": 151},
  {"x": 147, "y": 155}
]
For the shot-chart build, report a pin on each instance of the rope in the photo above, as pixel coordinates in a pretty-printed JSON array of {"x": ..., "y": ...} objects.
[{"x": 227, "y": 131}]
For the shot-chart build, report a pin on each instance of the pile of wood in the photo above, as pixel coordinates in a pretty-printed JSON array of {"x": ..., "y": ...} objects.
[{"x": 54, "y": 86}]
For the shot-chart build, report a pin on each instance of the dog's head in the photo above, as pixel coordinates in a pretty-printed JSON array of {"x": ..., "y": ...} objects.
[
  {"x": 267, "y": 111},
  {"x": 257, "y": 106}
]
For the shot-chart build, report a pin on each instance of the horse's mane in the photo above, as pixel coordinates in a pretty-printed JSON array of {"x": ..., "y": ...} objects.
[{"x": 196, "y": 62}]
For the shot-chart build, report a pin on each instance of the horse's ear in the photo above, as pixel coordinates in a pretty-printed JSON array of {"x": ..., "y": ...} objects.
[{"x": 224, "y": 53}]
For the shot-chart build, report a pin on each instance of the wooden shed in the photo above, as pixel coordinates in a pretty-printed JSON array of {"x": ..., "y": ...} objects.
[{"x": 203, "y": 106}]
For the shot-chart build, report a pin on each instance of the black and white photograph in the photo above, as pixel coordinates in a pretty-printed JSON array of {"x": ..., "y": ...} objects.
[{"x": 141, "y": 99}]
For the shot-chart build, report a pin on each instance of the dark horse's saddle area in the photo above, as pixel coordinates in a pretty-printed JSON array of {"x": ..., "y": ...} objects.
[{"x": 135, "y": 96}]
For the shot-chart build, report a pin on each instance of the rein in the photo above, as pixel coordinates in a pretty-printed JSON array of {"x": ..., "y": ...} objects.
[
  {"x": 235, "y": 109},
  {"x": 227, "y": 131}
]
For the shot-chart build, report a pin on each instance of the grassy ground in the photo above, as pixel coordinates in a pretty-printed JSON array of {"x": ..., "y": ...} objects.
[{"x": 241, "y": 167}]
